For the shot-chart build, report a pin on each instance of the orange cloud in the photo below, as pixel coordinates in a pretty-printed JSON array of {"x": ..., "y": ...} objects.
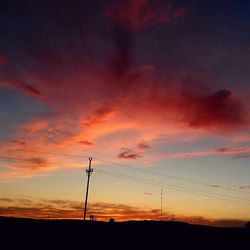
[
  {"x": 66, "y": 209},
  {"x": 99, "y": 116},
  {"x": 87, "y": 143}
]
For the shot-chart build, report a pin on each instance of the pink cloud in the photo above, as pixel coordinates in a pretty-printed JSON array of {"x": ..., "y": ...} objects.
[
  {"x": 245, "y": 187},
  {"x": 233, "y": 152}
]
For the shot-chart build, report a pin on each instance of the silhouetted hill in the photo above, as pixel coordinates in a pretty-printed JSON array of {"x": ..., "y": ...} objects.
[{"x": 150, "y": 234}]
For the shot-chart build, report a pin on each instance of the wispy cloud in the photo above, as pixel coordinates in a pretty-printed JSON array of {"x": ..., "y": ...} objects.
[
  {"x": 215, "y": 186},
  {"x": 245, "y": 187},
  {"x": 234, "y": 153},
  {"x": 146, "y": 193}
]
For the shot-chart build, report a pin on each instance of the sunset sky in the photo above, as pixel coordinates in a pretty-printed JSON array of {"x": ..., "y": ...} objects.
[{"x": 157, "y": 92}]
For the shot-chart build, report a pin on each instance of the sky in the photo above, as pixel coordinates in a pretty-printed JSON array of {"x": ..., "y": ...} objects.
[{"x": 157, "y": 92}]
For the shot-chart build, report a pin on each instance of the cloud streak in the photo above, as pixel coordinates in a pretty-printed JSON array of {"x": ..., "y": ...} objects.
[{"x": 235, "y": 153}]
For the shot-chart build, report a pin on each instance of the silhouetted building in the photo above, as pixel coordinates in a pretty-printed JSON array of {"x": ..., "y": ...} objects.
[{"x": 92, "y": 217}]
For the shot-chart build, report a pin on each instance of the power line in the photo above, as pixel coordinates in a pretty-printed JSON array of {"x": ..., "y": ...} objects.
[
  {"x": 169, "y": 186},
  {"x": 137, "y": 169},
  {"x": 170, "y": 176},
  {"x": 16, "y": 160}
]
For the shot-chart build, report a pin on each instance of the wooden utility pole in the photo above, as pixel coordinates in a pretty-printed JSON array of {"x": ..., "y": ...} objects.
[
  {"x": 161, "y": 204},
  {"x": 89, "y": 171}
]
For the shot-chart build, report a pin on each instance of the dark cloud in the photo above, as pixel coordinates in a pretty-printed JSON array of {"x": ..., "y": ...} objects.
[
  {"x": 37, "y": 160},
  {"x": 29, "y": 89},
  {"x": 232, "y": 150},
  {"x": 128, "y": 154},
  {"x": 87, "y": 143},
  {"x": 242, "y": 156},
  {"x": 136, "y": 15},
  {"x": 215, "y": 186},
  {"x": 143, "y": 146},
  {"x": 222, "y": 110},
  {"x": 17, "y": 142},
  {"x": 238, "y": 153},
  {"x": 33, "y": 163},
  {"x": 222, "y": 150}
]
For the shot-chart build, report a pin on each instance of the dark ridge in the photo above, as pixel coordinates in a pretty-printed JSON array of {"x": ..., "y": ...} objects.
[{"x": 142, "y": 234}]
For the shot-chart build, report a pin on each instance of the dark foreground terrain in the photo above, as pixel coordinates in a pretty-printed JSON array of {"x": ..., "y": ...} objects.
[{"x": 73, "y": 234}]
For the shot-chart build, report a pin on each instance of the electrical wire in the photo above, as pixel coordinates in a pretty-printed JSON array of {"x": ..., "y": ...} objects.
[
  {"x": 17, "y": 160},
  {"x": 137, "y": 169}
]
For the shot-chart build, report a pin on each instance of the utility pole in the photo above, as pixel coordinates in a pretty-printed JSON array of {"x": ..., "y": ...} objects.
[
  {"x": 161, "y": 204},
  {"x": 89, "y": 171}
]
